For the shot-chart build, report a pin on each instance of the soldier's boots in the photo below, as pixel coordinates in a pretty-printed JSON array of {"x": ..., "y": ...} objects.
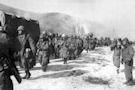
[
  {"x": 44, "y": 68},
  {"x": 65, "y": 60},
  {"x": 56, "y": 56},
  {"x": 118, "y": 71},
  {"x": 27, "y": 76},
  {"x": 44, "y": 64},
  {"x": 130, "y": 83},
  {"x": 73, "y": 57}
]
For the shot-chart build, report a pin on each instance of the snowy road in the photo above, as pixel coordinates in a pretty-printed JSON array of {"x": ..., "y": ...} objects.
[{"x": 92, "y": 71}]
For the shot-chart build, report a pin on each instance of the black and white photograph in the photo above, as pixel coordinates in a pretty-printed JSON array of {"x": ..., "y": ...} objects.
[{"x": 67, "y": 44}]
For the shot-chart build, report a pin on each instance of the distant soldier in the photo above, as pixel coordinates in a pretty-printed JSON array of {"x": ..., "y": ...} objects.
[
  {"x": 44, "y": 54},
  {"x": 56, "y": 46},
  {"x": 64, "y": 52},
  {"x": 52, "y": 46},
  {"x": 109, "y": 41},
  {"x": 26, "y": 41},
  {"x": 116, "y": 55},
  {"x": 51, "y": 41},
  {"x": 71, "y": 42},
  {"x": 127, "y": 59},
  {"x": 106, "y": 41},
  {"x": 79, "y": 46},
  {"x": 86, "y": 43},
  {"x": 101, "y": 41},
  {"x": 113, "y": 45},
  {"x": 92, "y": 43}
]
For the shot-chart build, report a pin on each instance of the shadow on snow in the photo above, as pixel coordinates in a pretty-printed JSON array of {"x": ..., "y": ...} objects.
[
  {"x": 58, "y": 67},
  {"x": 96, "y": 80},
  {"x": 61, "y": 74}
]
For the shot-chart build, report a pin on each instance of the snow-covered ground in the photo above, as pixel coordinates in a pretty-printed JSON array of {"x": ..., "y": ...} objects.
[{"x": 92, "y": 71}]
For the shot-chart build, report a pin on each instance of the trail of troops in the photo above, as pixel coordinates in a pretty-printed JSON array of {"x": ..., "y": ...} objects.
[{"x": 67, "y": 47}]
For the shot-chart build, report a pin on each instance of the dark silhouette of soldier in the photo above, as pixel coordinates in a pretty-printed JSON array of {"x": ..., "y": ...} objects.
[
  {"x": 5, "y": 80},
  {"x": 26, "y": 41}
]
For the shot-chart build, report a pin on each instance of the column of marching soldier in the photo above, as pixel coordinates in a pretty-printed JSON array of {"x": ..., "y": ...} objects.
[
  {"x": 64, "y": 46},
  {"x": 70, "y": 47},
  {"x": 67, "y": 47}
]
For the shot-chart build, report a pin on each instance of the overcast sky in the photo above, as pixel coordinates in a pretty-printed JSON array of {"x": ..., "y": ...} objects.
[{"x": 117, "y": 14}]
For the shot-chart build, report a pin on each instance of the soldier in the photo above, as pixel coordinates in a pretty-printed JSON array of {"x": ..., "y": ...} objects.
[
  {"x": 86, "y": 43},
  {"x": 71, "y": 41},
  {"x": 51, "y": 41},
  {"x": 44, "y": 54},
  {"x": 76, "y": 52},
  {"x": 5, "y": 80},
  {"x": 79, "y": 46},
  {"x": 64, "y": 52},
  {"x": 101, "y": 41},
  {"x": 26, "y": 42},
  {"x": 52, "y": 45},
  {"x": 127, "y": 59},
  {"x": 56, "y": 46},
  {"x": 116, "y": 55},
  {"x": 92, "y": 42},
  {"x": 74, "y": 46},
  {"x": 114, "y": 43}
]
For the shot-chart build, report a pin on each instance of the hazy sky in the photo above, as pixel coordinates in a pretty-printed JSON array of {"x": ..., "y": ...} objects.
[{"x": 117, "y": 14}]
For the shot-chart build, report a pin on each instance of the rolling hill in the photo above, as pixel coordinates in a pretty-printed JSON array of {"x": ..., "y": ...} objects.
[{"x": 58, "y": 22}]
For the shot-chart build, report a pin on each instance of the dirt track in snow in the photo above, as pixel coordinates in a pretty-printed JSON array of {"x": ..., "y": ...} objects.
[{"x": 92, "y": 71}]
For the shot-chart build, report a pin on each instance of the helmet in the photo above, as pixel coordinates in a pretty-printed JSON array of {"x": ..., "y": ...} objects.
[
  {"x": 44, "y": 32},
  {"x": 63, "y": 35},
  {"x": 125, "y": 40},
  {"x": 91, "y": 34},
  {"x": 21, "y": 27},
  {"x": 41, "y": 36}
]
